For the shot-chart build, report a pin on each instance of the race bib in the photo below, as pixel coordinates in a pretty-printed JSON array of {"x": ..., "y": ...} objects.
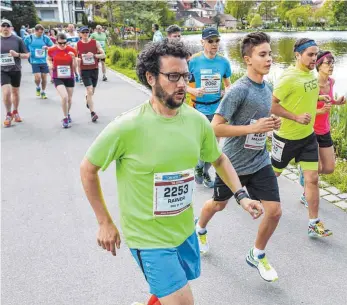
[
  {"x": 40, "y": 53},
  {"x": 255, "y": 141},
  {"x": 88, "y": 60},
  {"x": 7, "y": 60},
  {"x": 277, "y": 149},
  {"x": 172, "y": 192},
  {"x": 102, "y": 43},
  {"x": 211, "y": 82},
  {"x": 64, "y": 71}
]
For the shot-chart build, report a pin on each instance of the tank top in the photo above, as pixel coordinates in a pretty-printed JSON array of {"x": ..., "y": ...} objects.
[
  {"x": 84, "y": 48},
  {"x": 322, "y": 123}
]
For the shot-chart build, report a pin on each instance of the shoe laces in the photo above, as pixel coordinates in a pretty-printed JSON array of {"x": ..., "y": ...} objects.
[
  {"x": 320, "y": 227},
  {"x": 203, "y": 238},
  {"x": 200, "y": 171},
  {"x": 207, "y": 177},
  {"x": 265, "y": 263}
]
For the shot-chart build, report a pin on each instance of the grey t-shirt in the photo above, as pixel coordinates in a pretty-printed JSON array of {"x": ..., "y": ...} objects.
[
  {"x": 11, "y": 43},
  {"x": 244, "y": 102}
]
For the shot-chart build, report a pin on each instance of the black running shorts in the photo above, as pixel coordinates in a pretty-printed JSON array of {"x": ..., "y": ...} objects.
[
  {"x": 325, "y": 140},
  {"x": 12, "y": 78},
  {"x": 67, "y": 82},
  {"x": 90, "y": 77}
]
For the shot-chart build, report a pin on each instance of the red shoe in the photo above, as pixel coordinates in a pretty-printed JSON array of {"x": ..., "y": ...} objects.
[
  {"x": 8, "y": 120},
  {"x": 16, "y": 117}
]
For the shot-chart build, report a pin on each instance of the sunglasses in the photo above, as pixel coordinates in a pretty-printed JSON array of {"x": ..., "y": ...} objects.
[
  {"x": 5, "y": 25},
  {"x": 62, "y": 43},
  {"x": 210, "y": 41},
  {"x": 85, "y": 32}
]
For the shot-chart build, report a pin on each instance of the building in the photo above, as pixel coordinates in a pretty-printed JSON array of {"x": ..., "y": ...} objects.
[
  {"x": 198, "y": 22},
  {"x": 5, "y": 5},
  {"x": 64, "y": 11}
]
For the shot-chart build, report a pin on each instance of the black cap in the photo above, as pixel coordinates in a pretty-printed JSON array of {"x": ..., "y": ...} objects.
[{"x": 209, "y": 32}]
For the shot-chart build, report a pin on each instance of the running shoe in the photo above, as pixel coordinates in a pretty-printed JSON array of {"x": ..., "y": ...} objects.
[
  {"x": 303, "y": 200},
  {"x": 318, "y": 230},
  {"x": 301, "y": 177},
  {"x": 266, "y": 271},
  {"x": 8, "y": 120},
  {"x": 69, "y": 118},
  {"x": 65, "y": 123},
  {"x": 199, "y": 175},
  {"x": 77, "y": 78},
  {"x": 202, "y": 239},
  {"x": 207, "y": 181},
  {"x": 94, "y": 117},
  {"x": 16, "y": 117},
  {"x": 38, "y": 91},
  {"x": 43, "y": 95},
  {"x": 104, "y": 78}
]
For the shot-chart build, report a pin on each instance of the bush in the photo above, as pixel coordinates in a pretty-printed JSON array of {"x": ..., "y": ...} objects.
[{"x": 115, "y": 55}]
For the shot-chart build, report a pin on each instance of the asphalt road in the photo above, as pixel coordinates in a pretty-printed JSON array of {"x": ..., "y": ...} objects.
[{"x": 49, "y": 250}]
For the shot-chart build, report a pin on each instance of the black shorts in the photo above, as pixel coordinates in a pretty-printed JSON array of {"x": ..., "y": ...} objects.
[
  {"x": 304, "y": 151},
  {"x": 325, "y": 140},
  {"x": 12, "y": 77},
  {"x": 67, "y": 82},
  {"x": 103, "y": 59},
  {"x": 90, "y": 77},
  {"x": 261, "y": 185}
]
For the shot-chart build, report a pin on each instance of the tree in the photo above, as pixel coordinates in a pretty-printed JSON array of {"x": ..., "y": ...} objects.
[
  {"x": 284, "y": 6},
  {"x": 239, "y": 9},
  {"x": 256, "y": 21},
  {"x": 23, "y": 13},
  {"x": 217, "y": 20},
  {"x": 299, "y": 14},
  {"x": 266, "y": 9},
  {"x": 323, "y": 15},
  {"x": 340, "y": 11},
  {"x": 84, "y": 19}
]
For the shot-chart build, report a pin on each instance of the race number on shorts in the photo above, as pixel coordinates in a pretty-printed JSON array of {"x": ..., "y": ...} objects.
[
  {"x": 255, "y": 141},
  {"x": 277, "y": 149},
  {"x": 88, "y": 60},
  {"x": 173, "y": 192},
  {"x": 7, "y": 60},
  {"x": 211, "y": 82},
  {"x": 64, "y": 71},
  {"x": 40, "y": 53}
]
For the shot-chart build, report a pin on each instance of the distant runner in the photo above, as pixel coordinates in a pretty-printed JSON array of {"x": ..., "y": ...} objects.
[{"x": 101, "y": 38}]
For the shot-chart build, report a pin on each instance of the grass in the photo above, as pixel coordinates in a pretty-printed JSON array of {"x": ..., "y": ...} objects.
[{"x": 339, "y": 177}]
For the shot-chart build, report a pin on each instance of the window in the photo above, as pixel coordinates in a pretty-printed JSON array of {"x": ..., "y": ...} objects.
[{"x": 47, "y": 15}]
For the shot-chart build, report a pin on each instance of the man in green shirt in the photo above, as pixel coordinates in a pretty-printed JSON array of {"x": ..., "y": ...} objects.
[
  {"x": 101, "y": 37},
  {"x": 155, "y": 158},
  {"x": 294, "y": 99}
]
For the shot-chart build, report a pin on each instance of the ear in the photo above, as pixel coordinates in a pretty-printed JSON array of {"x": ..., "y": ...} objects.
[
  {"x": 297, "y": 55},
  {"x": 202, "y": 42},
  {"x": 151, "y": 80},
  {"x": 247, "y": 60}
]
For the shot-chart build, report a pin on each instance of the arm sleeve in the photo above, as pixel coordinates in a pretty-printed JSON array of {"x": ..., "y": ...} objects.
[
  {"x": 210, "y": 150},
  {"x": 108, "y": 146},
  {"x": 283, "y": 88},
  {"x": 227, "y": 71},
  {"x": 49, "y": 42}
]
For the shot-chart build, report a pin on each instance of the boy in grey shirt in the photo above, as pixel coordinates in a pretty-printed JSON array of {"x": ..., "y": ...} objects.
[{"x": 243, "y": 118}]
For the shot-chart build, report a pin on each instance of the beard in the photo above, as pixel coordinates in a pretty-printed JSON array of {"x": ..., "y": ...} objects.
[{"x": 168, "y": 99}]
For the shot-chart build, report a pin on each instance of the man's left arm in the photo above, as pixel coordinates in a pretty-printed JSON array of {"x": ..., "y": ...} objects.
[{"x": 101, "y": 53}]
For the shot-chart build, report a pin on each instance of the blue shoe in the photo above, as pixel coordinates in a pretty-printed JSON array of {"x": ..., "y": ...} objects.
[
  {"x": 199, "y": 175},
  {"x": 65, "y": 123},
  {"x": 301, "y": 177},
  {"x": 207, "y": 181},
  {"x": 303, "y": 200},
  {"x": 77, "y": 78}
]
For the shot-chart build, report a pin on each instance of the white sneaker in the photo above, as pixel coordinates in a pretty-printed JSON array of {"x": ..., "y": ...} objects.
[{"x": 266, "y": 271}]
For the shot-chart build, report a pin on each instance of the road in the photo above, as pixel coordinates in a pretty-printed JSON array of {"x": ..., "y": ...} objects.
[{"x": 49, "y": 250}]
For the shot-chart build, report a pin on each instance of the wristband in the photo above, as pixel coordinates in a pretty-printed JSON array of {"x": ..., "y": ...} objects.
[{"x": 239, "y": 195}]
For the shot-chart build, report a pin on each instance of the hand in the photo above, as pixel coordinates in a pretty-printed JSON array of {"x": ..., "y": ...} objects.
[
  {"x": 341, "y": 100},
  {"x": 199, "y": 92},
  {"x": 263, "y": 125},
  {"x": 108, "y": 237},
  {"x": 13, "y": 53},
  {"x": 44, "y": 47},
  {"x": 253, "y": 207},
  {"x": 326, "y": 108},
  {"x": 72, "y": 54},
  {"x": 90, "y": 54},
  {"x": 277, "y": 121},
  {"x": 325, "y": 98},
  {"x": 304, "y": 119}
]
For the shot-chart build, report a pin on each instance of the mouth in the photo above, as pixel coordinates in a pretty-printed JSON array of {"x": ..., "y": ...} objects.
[{"x": 180, "y": 95}]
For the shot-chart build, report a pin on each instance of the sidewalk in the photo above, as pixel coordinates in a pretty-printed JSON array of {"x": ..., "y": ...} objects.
[{"x": 49, "y": 250}]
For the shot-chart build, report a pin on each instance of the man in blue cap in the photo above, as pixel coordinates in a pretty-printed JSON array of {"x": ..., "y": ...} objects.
[{"x": 209, "y": 70}]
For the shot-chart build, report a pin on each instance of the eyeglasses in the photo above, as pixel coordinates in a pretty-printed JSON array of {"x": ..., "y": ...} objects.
[
  {"x": 175, "y": 77},
  {"x": 329, "y": 63},
  {"x": 62, "y": 43},
  {"x": 5, "y": 25},
  {"x": 210, "y": 41}
]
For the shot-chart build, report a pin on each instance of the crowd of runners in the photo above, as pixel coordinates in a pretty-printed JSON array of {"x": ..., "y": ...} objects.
[{"x": 157, "y": 166}]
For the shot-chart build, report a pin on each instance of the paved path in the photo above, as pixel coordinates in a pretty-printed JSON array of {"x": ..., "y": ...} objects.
[{"x": 49, "y": 251}]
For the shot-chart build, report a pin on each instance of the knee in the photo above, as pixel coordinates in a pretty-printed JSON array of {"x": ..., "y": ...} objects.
[
  {"x": 65, "y": 99},
  {"x": 328, "y": 169},
  {"x": 37, "y": 78},
  {"x": 90, "y": 91},
  {"x": 15, "y": 92},
  {"x": 275, "y": 213},
  {"x": 219, "y": 205},
  {"x": 312, "y": 179}
]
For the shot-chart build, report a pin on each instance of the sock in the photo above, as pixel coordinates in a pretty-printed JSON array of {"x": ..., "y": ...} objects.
[
  {"x": 153, "y": 300},
  {"x": 92, "y": 113},
  {"x": 199, "y": 229},
  {"x": 42, "y": 91},
  {"x": 14, "y": 111},
  {"x": 313, "y": 221},
  {"x": 257, "y": 252}
]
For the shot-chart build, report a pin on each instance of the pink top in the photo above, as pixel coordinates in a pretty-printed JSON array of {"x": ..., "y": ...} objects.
[{"x": 322, "y": 123}]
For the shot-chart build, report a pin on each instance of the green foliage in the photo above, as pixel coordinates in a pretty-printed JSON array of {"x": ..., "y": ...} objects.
[
  {"x": 299, "y": 14},
  {"x": 340, "y": 11},
  {"x": 284, "y": 6},
  {"x": 338, "y": 120},
  {"x": 122, "y": 58},
  {"x": 256, "y": 21},
  {"x": 100, "y": 20},
  {"x": 84, "y": 19},
  {"x": 339, "y": 177},
  {"x": 23, "y": 12},
  {"x": 266, "y": 9},
  {"x": 239, "y": 9}
]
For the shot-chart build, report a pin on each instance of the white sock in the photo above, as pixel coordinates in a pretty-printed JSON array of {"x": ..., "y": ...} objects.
[
  {"x": 313, "y": 221},
  {"x": 199, "y": 229},
  {"x": 257, "y": 252}
]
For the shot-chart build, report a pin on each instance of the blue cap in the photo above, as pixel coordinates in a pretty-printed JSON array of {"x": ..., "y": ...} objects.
[
  {"x": 83, "y": 28},
  {"x": 209, "y": 32}
]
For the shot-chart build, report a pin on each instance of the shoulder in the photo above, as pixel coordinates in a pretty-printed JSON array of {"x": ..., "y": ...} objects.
[
  {"x": 195, "y": 57},
  {"x": 269, "y": 85}
]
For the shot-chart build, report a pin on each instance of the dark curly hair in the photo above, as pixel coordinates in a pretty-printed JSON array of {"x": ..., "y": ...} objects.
[
  {"x": 252, "y": 40},
  {"x": 149, "y": 59}
]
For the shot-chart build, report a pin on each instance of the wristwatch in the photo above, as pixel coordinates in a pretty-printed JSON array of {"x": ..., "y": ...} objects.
[{"x": 239, "y": 195}]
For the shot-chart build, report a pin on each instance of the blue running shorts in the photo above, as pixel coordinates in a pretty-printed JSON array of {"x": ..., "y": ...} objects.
[{"x": 168, "y": 270}]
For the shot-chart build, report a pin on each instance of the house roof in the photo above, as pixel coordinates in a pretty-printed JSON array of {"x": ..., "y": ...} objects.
[
  {"x": 204, "y": 20},
  {"x": 227, "y": 17}
]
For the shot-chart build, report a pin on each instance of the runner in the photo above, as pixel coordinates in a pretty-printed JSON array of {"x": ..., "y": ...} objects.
[
  {"x": 157, "y": 36},
  {"x": 243, "y": 118},
  {"x": 53, "y": 35},
  {"x": 208, "y": 69},
  {"x": 12, "y": 51},
  {"x": 62, "y": 60},
  {"x": 173, "y": 32},
  {"x": 156, "y": 178},
  {"x": 37, "y": 44},
  {"x": 101, "y": 38},
  {"x": 294, "y": 99},
  {"x": 325, "y": 67},
  {"x": 89, "y": 51},
  {"x": 72, "y": 38}
]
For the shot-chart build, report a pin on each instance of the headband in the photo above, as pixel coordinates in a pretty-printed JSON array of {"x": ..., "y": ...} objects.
[
  {"x": 304, "y": 46},
  {"x": 321, "y": 59}
]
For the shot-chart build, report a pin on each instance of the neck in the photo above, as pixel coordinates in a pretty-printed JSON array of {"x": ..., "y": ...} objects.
[
  {"x": 6, "y": 34},
  {"x": 254, "y": 76},
  {"x": 301, "y": 67},
  {"x": 323, "y": 78},
  {"x": 209, "y": 55},
  {"x": 162, "y": 110},
  {"x": 85, "y": 39}
]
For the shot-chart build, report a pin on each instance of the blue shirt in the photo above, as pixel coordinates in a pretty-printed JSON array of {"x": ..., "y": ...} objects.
[
  {"x": 72, "y": 39},
  {"x": 158, "y": 36},
  {"x": 209, "y": 73},
  {"x": 34, "y": 45}
]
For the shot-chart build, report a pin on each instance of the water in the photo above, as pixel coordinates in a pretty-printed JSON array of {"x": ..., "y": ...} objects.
[{"x": 282, "y": 47}]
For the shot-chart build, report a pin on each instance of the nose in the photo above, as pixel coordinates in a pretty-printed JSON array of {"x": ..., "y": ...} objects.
[{"x": 181, "y": 82}]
